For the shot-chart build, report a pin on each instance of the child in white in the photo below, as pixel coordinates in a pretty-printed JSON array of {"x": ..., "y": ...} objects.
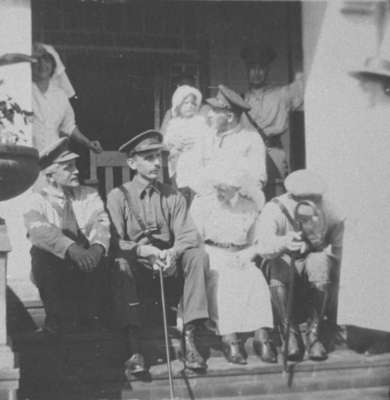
[{"x": 186, "y": 137}]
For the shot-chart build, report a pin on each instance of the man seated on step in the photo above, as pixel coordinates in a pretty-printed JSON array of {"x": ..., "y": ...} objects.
[
  {"x": 70, "y": 234},
  {"x": 302, "y": 230},
  {"x": 153, "y": 229}
]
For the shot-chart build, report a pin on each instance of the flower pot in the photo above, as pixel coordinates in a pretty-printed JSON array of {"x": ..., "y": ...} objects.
[{"x": 18, "y": 169}]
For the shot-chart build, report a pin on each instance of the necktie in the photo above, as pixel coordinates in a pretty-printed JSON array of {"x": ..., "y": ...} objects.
[
  {"x": 70, "y": 227},
  {"x": 149, "y": 211}
]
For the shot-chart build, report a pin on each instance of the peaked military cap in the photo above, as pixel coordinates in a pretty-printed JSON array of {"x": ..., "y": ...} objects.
[
  {"x": 57, "y": 153},
  {"x": 228, "y": 99},
  {"x": 145, "y": 141},
  {"x": 258, "y": 54},
  {"x": 374, "y": 67},
  {"x": 303, "y": 183}
]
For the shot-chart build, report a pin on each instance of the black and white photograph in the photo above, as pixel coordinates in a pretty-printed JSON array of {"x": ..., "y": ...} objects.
[{"x": 194, "y": 199}]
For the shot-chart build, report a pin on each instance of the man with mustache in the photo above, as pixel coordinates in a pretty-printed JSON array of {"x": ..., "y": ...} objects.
[
  {"x": 70, "y": 235},
  {"x": 152, "y": 230}
]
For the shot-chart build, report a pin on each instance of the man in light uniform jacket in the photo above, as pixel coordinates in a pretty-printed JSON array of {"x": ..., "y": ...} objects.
[
  {"x": 302, "y": 229},
  {"x": 233, "y": 145},
  {"x": 70, "y": 234}
]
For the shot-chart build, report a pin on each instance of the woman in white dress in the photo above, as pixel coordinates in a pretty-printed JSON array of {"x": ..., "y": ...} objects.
[{"x": 238, "y": 295}]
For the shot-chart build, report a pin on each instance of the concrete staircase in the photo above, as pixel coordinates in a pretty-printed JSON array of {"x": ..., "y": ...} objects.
[
  {"x": 86, "y": 366},
  {"x": 89, "y": 365}
]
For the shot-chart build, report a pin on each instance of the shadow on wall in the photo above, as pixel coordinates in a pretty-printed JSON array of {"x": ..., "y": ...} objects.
[{"x": 365, "y": 340}]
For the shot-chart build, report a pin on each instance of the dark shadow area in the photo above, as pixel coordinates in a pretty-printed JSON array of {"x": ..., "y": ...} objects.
[
  {"x": 88, "y": 364},
  {"x": 18, "y": 318},
  {"x": 365, "y": 340}
]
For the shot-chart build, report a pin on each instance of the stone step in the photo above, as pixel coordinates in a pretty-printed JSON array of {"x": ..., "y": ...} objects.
[
  {"x": 82, "y": 362},
  {"x": 376, "y": 393},
  {"x": 343, "y": 370}
]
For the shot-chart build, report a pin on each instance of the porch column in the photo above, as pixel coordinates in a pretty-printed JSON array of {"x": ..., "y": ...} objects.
[{"x": 15, "y": 37}]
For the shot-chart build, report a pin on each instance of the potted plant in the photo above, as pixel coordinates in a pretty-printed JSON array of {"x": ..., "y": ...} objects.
[{"x": 18, "y": 161}]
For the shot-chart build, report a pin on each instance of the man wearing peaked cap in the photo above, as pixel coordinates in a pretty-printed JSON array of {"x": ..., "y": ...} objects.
[
  {"x": 374, "y": 77},
  {"x": 270, "y": 108},
  {"x": 153, "y": 230},
  {"x": 303, "y": 229},
  {"x": 233, "y": 145},
  {"x": 57, "y": 153},
  {"x": 227, "y": 99},
  {"x": 70, "y": 233},
  {"x": 148, "y": 140}
]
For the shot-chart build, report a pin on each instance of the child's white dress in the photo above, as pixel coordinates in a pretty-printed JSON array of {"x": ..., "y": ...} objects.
[{"x": 187, "y": 140}]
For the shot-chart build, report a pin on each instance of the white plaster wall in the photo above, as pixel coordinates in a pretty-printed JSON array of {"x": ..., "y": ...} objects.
[
  {"x": 15, "y": 37},
  {"x": 349, "y": 143}
]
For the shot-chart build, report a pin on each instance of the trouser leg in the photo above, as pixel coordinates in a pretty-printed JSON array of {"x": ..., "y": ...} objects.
[
  {"x": 93, "y": 288},
  {"x": 47, "y": 271},
  {"x": 195, "y": 265},
  {"x": 126, "y": 306},
  {"x": 126, "y": 303}
]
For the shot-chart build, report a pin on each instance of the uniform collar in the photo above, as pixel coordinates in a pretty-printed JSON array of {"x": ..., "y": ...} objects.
[
  {"x": 141, "y": 186},
  {"x": 232, "y": 131},
  {"x": 53, "y": 191}
]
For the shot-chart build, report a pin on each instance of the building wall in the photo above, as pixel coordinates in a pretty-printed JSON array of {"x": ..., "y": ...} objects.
[
  {"x": 15, "y": 37},
  {"x": 348, "y": 142}
]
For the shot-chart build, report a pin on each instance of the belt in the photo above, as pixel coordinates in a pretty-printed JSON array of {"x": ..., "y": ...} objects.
[{"x": 227, "y": 246}]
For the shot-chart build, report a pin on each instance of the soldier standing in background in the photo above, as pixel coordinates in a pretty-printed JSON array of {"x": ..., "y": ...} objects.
[{"x": 269, "y": 113}]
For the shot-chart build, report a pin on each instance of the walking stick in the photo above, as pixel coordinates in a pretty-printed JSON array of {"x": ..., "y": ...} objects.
[
  {"x": 166, "y": 338},
  {"x": 289, "y": 310}
]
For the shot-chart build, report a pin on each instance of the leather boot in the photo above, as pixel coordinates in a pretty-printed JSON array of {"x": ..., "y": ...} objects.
[
  {"x": 232, "y": 350},
  {"x": 264, "y": 346},
  {"x": 193, "y": 360},
  {"x": 315, "y": 349},
  {"x": 135, "y": 364},
  {"x": 279, "y": 301}
]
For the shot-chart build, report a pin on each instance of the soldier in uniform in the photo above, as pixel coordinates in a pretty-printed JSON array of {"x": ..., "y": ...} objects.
[
  {"x": 269, "y": 113},
  {"x": 152, "y": 229},
  {"x": 233, "y": 145},
  {"x": 70, "y": 234},
  {"x": 302, "y": 230}
]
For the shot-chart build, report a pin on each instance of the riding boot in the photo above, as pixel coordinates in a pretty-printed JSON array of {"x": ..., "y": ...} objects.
[
  {"x": 279, "y": 301},
  {"x": 231, "y": 347},
  {"x": 319, "y": 297},
  {"x": 193, "y": 359}
]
